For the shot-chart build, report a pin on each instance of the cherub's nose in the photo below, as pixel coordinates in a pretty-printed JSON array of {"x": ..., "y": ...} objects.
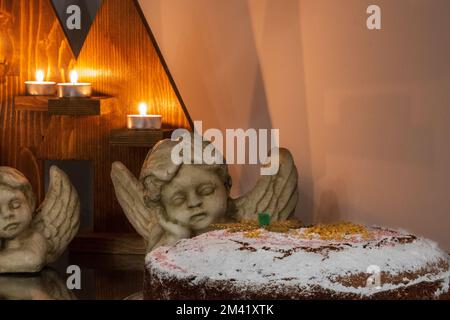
[
  {"x": 194, "y": 200},
  {"x": 6, "y": 214}
]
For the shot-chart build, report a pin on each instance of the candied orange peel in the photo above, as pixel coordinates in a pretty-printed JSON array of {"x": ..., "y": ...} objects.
[
  {"x": 336, "y": 231},
  {"x": 250, "y": 227},
  {"x": 284, "y": 226},
  {"x": 253, "y": 234},
  {"x": 236, "y": 227}
]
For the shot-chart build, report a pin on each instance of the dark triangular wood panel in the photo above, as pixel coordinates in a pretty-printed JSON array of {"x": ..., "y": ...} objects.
[{"x": 76, "y": 18}]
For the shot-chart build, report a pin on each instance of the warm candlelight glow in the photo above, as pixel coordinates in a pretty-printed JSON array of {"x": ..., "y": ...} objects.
[
  {"x": 40, "y": 87},
  {"x": 73, "y": 76},
  {"x": 143, "y": 120},
  {"x": 40, "y": 76},
  {"x": 74, "y": 89},
  {"x": 143, "y": 108}
]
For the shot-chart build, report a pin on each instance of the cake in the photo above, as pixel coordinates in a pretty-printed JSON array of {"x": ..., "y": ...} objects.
[{"x": 344, "y": 261}]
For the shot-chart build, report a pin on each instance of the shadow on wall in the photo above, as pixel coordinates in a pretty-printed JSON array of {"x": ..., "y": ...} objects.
[
  {"x": 279, "y": 40},
  {"x": 248, "y": 174},
  {"x": 239, "y": 64}
]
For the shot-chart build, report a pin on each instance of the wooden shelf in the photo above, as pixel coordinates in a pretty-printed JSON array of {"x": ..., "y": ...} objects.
[
  {"x": 66, "y": 106},
  {"x": 81, "y": 106},
  {"x": 108, "y": 243},
  {"x": 31, "y": 103},
  {"x": 139, "y": 138}
]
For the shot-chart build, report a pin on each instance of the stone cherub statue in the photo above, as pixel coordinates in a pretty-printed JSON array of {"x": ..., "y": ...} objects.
[
  {"x": 29, "y": 239},
  {"x": 171, "y": 202}
]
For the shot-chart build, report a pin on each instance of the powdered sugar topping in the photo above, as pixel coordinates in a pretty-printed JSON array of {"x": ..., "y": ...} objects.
[{"x": 294, "y": 260}]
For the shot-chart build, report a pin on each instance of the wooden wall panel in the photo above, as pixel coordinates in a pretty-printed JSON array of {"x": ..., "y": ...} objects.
[{"x": 118, "y": 58}]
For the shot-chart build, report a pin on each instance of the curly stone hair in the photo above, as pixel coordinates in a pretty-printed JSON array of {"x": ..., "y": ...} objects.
[
  {"x": 158, "y": 169},
  {"x": 15, "y": 180}
]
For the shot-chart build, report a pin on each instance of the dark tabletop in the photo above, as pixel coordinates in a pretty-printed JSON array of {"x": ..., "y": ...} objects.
[{"x": 102, "y": 277}]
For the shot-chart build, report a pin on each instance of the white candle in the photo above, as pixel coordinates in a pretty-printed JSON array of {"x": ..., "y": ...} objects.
[
  {"x": 40, "y": 87},
  {"x": 74, "y": 89},
  {"x": 144, "y": 121}
]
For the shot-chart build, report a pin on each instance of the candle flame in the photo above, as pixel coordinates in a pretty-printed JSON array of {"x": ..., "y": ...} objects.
[
  {"x": 73, "y": 76},
  {"x": 143, "y": 108},
  {"x": 40, "y": 76}
]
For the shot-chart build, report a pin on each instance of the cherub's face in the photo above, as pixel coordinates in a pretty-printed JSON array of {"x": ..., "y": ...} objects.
[
  {"x": 196, "y": 197},
  {"x": 15, "y": 213}
]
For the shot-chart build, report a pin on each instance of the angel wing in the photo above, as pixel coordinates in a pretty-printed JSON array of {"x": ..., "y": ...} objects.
[
  {"x": 58, "y": 217},
  {"x": 276, "y": 194},
  {"x": 130, "y": 194}
]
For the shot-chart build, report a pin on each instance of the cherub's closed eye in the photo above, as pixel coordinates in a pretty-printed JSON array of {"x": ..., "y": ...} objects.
[
  {"x": 15, "y": 204},
  {"x": 178, "y": 199},
  {"x": 206, "y": 189}
]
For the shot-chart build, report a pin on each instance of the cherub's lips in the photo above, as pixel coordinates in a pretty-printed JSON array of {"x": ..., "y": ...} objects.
[
  {"x": 198, "y": 217},
  {"x": 11, "y": 226}
]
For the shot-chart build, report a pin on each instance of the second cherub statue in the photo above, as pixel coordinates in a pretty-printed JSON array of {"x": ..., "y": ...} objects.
[
  {"x": 31, "y": 239},
  {"x": 175, "y": 201}
]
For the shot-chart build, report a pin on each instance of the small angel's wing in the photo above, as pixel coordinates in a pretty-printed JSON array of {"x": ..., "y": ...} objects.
[
  {"x": 130, "y": 194},
  {"x": 276, "y": 194},
  {"x": 58, "y": 217}
]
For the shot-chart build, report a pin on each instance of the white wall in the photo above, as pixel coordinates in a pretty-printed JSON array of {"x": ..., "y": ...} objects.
[{"x": 366, "y": 113}]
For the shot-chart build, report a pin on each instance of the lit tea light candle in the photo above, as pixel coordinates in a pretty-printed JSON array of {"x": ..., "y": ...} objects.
[
  {"x": 144, "y": 121},
  {"x": 40, "y": 87},
  {"x": 74, "y": 89}
]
